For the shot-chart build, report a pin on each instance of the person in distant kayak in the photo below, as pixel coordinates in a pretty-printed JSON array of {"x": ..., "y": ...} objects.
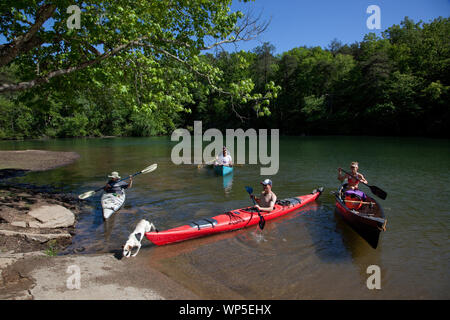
[
  {"x": 267, "y": 200},
  {"x": 352, "y": 183},
  {"x": 114, "y": 186},
  {"x": 224, "y": 159}
]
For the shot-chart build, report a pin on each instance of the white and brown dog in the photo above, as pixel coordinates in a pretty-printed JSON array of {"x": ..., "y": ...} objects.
[{"x": 135, "y": 238}]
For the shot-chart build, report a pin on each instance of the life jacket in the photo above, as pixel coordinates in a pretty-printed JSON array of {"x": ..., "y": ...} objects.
[{"x": 352, "y": 182}]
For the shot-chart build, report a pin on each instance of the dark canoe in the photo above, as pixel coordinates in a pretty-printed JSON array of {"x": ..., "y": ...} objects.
[{"x": 368, "y": 220}]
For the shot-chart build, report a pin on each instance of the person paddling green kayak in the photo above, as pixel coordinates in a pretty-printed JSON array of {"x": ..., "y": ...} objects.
[{"x": 223, "y": 165}]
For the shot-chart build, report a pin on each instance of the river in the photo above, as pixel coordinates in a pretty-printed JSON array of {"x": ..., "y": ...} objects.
[{"x": 307, "y": 254}]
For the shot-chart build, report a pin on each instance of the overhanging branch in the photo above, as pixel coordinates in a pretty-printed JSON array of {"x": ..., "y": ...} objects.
[{"x": 27, "y": 41}]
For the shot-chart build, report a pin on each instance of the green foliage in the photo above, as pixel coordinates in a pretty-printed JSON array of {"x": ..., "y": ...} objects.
[
  {"x": 52, "y": 248},
  {"x": 394, "y": 84}
]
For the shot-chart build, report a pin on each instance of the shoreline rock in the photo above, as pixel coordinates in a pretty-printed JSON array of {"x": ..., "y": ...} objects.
[
  {"x": 51, "y": 216},
  {"x": 32, "y": 217}
]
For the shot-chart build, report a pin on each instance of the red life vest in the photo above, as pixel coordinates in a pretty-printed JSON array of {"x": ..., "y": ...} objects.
[{"x": 352, "y": 181}]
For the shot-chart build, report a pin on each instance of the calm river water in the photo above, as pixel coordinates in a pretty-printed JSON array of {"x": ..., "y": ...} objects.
[{"x": 307, "y": 254}]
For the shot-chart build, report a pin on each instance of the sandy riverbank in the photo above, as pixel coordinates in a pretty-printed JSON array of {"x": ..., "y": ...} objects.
[
  {"x": 29, "y": 268},
  {"x": 35, "y": 160},
  {"x": 40, "y": 277}
]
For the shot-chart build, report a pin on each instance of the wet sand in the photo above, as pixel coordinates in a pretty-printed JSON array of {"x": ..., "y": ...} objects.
[{"x": 35, "y": 160}]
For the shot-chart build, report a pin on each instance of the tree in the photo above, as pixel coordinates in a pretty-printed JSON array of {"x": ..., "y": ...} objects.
[{"x": 157, "y": 33}]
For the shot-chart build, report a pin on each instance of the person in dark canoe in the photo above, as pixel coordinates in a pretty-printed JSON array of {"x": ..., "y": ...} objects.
[
  {"x": 267, "y": 200},
  {"x": 352, "y": 183},
  {"x": 114, "y": 186},
  {"x": 352, "y": 196}
]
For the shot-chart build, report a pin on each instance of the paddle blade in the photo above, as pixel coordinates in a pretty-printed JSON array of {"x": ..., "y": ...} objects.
[
  {"x": 86, "y": 195},
  {"x": 377, "y": 191},
  {"x": 249, "y": 190},
  {"x": 150, "y": 168},
  {"x": 262, "y": 222}
]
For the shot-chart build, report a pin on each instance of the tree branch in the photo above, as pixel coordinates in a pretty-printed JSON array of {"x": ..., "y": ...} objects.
[
  {"x": 248, "y": 29},
  {"x": 4, "y": 87},
  {"x": 26, "y": 42}
]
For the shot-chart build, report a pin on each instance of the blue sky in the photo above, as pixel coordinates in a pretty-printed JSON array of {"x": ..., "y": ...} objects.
[
  {"x": 316, "y": 23},
  {"x": 297, "y": 23}
]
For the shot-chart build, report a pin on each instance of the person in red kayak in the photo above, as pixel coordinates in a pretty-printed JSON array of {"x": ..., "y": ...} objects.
[
  {"x": 352, "y": 183},
  {"x": 267, "y": 200}
]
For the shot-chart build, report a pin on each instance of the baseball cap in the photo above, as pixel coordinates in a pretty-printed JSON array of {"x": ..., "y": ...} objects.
[{"x": 266, "y": 182}]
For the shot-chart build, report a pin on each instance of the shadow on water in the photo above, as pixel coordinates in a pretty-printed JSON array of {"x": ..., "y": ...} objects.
[
  {"x": 335, "y": 241},
  {"x": 109, "y": 226},
  {"x": 98, "y": 216}
]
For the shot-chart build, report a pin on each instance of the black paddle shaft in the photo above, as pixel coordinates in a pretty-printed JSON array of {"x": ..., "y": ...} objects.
[
  {"x": 375, "y": 190},
  {"x": 262, "y": 221},
  {"x": 128, "y": 177}
]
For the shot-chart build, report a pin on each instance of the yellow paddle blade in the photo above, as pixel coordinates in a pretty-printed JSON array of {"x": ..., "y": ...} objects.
[
  {"x": 91, "y": 193},
  {"x": 86, "y": 195}
]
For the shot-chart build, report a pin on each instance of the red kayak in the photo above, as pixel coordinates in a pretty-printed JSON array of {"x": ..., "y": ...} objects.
[{"x": 229, "y": 221}]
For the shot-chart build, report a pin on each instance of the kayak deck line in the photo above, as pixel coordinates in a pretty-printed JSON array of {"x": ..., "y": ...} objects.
[{"x": 229, "y": 221}]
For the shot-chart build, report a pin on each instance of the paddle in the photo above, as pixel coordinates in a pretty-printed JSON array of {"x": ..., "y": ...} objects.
[
  {"x": 375, "y": 190},
  {"x": 144, "y": 171},
  {"x": 262, "y": 222},
  {"x": 206, "y": 163},
  {"x": 362, "y": 202}
]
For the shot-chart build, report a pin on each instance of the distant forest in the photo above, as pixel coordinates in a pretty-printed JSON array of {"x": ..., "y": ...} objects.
[{"x": 397, "y": 84}]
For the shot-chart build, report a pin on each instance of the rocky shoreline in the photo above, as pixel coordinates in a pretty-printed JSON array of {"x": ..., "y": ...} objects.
[
  {"x": 30, "y": 216},
  {"x": 31, "y": 267},
  {"x": 36, "y": 224},
  {"x": 30, "y": 219},
  {"x": 33, "y": 221}
]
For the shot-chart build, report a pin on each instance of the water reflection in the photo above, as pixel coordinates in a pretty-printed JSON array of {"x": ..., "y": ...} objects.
[
  {"x": 362, "y": 254},
  {"x": 228, "y": 182},
  {"x": 109, "y": 226}
]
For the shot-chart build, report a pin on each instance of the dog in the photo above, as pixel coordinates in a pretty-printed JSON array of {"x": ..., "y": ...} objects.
[{"x": 135, "y": 238}]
